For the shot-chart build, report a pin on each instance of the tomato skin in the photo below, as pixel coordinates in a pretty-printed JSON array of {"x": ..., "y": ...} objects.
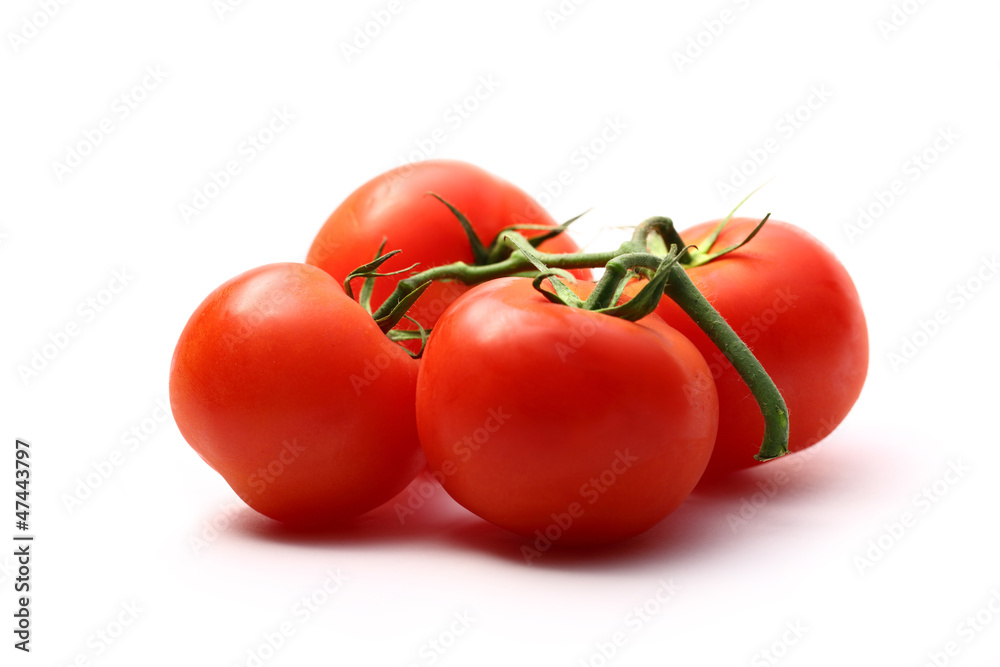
[
  {"x": 396, "y": 206},
  {"x": 287, "y": 388},
  {"x": 794, "y": 305},
  {"x": 502, "y": 424}
]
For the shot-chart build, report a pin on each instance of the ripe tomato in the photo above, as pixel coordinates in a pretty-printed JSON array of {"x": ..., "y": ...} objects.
[
  {"x": 397, "y": 206},
  {"x": 287, "y": 388},
  {"x": 797, "y": 310},
  {"x": 503, "y": 426}
]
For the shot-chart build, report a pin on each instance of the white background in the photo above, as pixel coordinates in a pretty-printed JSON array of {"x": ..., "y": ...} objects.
[{"x": 819, "y": 554}]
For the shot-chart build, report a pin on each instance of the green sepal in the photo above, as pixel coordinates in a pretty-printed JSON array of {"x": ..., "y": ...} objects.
[
  {"x": 565, "y": 295},
  {"x": 704, "y": 258},
  {"x": 479, "y": 252},
  {"x": 697, "y": 256},
  {"x": 498, "y": 250},
  {"x": 398, "y": 311},
  {"x": 648, "y": 298},
  {"x": 402, "y": 335},
  {"x": 366, "y": 270}
]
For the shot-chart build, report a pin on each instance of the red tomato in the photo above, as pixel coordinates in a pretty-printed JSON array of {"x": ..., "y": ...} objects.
[
  {"x": 503, "y": 426},
  {"x": 797, "y": 310},
  {"x": 396, "y": 206},
  {"x": 287, "y": 388}
]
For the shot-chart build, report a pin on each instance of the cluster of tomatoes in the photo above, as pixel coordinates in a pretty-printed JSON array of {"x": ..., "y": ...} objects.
[{"x": 532, "y": 410}]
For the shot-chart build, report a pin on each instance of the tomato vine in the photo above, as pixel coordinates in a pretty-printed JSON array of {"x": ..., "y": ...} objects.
[{"x": 655, "y": 251}]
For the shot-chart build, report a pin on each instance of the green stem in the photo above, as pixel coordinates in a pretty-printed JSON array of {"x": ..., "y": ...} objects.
[
  {"x": 664, "y": 229},
  {"x": 475, "y": 274},
  {"x": 772, "y": 405},
  {"x": 518, "y": 262},
  {"x": 614, "y": 273}
]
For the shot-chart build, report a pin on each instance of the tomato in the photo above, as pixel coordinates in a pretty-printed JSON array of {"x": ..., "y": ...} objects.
[
  {"x": 795, "y": 307},
  {"x": 503, "y": 425},
  {"x": 288, "y": 389},
  {"x": 397, "y": 206}
]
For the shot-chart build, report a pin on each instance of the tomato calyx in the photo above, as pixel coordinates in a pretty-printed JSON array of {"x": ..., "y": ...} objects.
[
  {"x": 618, "y": 273},
  {"x": 698, "y": 256},
  {"x": 387, "y": 321},
  {"x": 501, "y": 250},
  {"x": 498, "y": 250}
]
